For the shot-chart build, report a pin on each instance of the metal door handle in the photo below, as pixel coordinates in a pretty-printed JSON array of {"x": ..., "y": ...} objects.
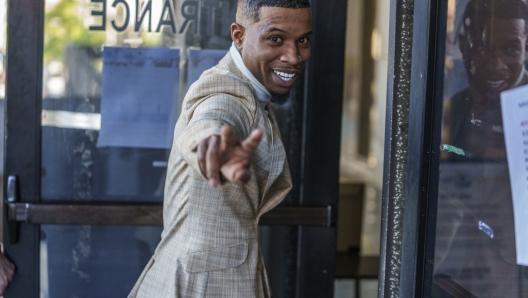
[
  {"x": 136, "y": 214},
  {"x": 148, "y": 214},
  {"x": 12, "y": 198}
]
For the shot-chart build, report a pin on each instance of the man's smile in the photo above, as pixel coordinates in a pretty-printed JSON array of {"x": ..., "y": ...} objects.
[
  {"x": 284, "y": 75},
  {"x": 284, "y": 78},
  {"x": 495, "y": 84}
]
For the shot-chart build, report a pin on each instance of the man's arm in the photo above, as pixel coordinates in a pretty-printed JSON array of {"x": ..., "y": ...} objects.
[{"x": 214, "y": 102}]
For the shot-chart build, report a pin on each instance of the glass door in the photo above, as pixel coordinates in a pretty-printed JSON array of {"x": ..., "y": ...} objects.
[
  {"x": 101, "y": 68},
  {"x": 94, "y": 89},
  {"x": 480, "y": 230}
]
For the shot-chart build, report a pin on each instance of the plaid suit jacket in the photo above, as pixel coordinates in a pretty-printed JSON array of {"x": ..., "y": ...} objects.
[{"x": 209, "y": 245}]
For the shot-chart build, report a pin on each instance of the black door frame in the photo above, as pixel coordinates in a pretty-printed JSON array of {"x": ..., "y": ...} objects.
[
  {"x": 323, "y": 100},
  {"x": 317, "y": 169},
  {"x": 412, "y": 145},
  {"x": 22, "y": 126}
]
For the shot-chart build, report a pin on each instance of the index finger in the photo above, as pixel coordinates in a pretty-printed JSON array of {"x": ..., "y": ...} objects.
[
  {"x": 251, "y": 143},
  {"x": 202, "y": 150},
  {"x": 228, "y": 137},
  {"x": 213, "y": 161}
]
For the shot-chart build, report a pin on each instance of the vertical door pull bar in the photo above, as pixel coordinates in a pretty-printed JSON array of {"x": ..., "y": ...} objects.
[{"x": 12, "y": 198}]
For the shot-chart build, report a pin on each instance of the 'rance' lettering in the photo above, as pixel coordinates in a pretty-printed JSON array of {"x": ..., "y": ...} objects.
[{"x": 211, "y": 12}]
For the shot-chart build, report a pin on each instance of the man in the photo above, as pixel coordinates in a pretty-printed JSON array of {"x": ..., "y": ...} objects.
[
  {"x": 475, "y": 242},
  {"x": 217, "y": 187},
  {"x": 493, "y": 47}
]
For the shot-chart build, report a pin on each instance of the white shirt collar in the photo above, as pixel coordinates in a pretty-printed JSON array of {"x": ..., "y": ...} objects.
[{"x": 263, "y": 94}]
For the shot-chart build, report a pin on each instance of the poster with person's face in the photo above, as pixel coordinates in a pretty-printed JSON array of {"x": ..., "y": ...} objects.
[{"x": 476, "y": 230}]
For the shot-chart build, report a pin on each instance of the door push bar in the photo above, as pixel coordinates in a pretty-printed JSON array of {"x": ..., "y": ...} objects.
[
  {"x": 12, "y": 198},
  {"x": 137, "y": 214}
]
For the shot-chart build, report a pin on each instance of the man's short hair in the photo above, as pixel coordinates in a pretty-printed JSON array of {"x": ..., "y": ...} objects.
[
  {"x": 251, "y": 8},
  {"x": 498, "y": 9}
]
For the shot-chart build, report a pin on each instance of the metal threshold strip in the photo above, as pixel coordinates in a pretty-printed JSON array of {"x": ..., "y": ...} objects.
[{"x": 147, "y": 214}]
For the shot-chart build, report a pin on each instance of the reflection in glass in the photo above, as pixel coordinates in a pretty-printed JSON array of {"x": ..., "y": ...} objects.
[
  {"x": 89, "y": 261},
  {"x": 100, "y": 261},
  {"x": 75, "y": 164},
  {"x": 475, "y": 238}
]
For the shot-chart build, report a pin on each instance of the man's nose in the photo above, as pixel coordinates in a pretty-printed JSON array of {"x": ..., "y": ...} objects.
[
  {"x": 291, "y": 55},
  {"x": 495, "y": 60}
]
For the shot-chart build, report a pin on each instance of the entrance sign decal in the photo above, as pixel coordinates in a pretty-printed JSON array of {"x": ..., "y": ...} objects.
[
  {"x": 202, "y": 60},
  {"x": 156, "y": 14}
]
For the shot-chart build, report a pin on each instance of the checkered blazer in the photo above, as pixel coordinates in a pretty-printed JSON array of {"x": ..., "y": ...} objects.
[{"x": 209, "y": 245}]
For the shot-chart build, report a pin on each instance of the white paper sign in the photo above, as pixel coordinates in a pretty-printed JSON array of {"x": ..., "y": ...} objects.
[
  {"x": 514, "y": 105},
  {"x": 139, "y": 100},
  {"x": 202, "y": 60}
]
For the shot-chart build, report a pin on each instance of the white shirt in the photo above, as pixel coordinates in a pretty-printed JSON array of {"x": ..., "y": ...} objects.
[{"x": 263, "y": 95}]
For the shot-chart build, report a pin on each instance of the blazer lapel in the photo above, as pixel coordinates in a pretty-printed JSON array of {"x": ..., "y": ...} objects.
[
  {"x": 276, "y": 167},
  {"x": 277, "y": 148},
  {"x": 276, "y": 156}
]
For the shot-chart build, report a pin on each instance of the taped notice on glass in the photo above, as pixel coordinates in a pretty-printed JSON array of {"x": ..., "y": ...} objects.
[
  {"x": 139, "y": 97},
  {"x": 202, "y": 60},
  {"x": 514, "y": 105}
]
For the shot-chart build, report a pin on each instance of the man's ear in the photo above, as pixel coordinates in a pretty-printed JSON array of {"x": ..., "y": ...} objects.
[{"x": 237, "y": 34}]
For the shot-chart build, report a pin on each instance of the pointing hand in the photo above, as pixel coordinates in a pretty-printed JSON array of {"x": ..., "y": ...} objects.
[{"x": 228, "y": 156}]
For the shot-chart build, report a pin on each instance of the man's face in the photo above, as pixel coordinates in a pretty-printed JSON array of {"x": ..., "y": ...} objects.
[
  {"x": 494, "y": 54},
  {"x": 276, "y": 48}
]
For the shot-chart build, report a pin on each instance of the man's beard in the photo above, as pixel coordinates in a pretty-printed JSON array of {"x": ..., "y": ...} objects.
[{"x": 279, "y": 98}]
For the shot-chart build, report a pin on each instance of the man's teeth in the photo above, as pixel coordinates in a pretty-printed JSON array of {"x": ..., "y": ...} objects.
[
  {"x": 495, "y": 84},
  {"x": 284, "y": 76}
]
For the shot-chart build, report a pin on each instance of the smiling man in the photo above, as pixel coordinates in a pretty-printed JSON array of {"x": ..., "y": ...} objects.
[
  {"x": 493, "y": 47},
  {"x": 228, "y": 166},
  {"x": 493, "y": 44}
]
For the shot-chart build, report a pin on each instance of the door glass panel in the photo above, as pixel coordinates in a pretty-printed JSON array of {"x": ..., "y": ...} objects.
[
  {"x": 114, "y": 75},
  {"x": 74, "y": 164},
  {"x": 479, "y": 183},
  {"x": 93, "y": 261}
]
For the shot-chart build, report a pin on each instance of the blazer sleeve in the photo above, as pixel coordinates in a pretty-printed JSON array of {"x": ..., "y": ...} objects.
[{"x": 205, "y": 117}]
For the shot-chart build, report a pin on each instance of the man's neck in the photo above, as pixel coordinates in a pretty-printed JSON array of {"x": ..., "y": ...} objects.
[{"x": 263, "y": 95}]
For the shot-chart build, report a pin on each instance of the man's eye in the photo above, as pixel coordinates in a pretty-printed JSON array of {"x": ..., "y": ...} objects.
[
  {"x": 304, "y": 40},
  {"x": 275, "y": 39},
  {"x": 512, "y": 51}
]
